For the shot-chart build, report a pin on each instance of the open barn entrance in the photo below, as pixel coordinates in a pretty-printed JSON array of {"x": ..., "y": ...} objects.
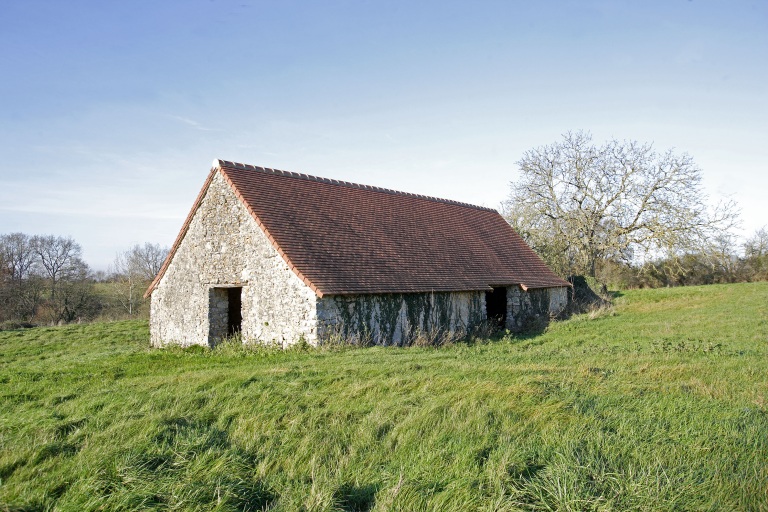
[
  {"x": 235, "y": 310},
  {"x": 225, "y": 314},
  {"x": 496, "y": 307}
]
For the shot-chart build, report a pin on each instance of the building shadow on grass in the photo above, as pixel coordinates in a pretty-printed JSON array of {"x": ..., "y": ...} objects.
[{"x": 356, "y": 498}]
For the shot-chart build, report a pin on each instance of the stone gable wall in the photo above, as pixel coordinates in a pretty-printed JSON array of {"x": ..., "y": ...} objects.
[
  {"x": 225, "y": 247},
  {"x": 399, "y": 318}
]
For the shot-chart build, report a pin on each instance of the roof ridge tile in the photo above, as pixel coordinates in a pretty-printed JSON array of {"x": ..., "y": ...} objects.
[{"x": 237, "y": 165}]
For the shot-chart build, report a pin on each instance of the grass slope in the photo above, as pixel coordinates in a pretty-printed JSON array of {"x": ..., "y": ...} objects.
[{"x": 660, "y": 406}]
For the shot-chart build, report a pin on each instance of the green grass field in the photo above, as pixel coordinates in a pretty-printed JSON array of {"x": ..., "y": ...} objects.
[{"x": 660, "y": 405}]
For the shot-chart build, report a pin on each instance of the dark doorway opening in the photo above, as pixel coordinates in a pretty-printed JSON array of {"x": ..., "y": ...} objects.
[
  {"x": 496, "y": 307},
  {"x": 234, "y": 310}
]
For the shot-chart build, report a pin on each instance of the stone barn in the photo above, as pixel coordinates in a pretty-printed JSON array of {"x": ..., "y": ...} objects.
[{"x": 282, "y": 257}]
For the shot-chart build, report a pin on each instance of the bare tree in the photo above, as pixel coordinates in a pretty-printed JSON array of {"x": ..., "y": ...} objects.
[
  {"x": 147, "y": 259},
  {"x": 757, "y": 245},
  {"x": 132, "y": 272},
  {"x": 32, "y": 264},
  {"x": 18, "y": 255},
  {"x": 720, "y": 255},
  {"x": 756, "y": 254},
  {"x": 75, "y": 298},
  {"x": 20, "y": 289},
  {"x": 127, "y": 281},
  {"x": 59, "y": 258},
  {"x": 578, "y": 203}
]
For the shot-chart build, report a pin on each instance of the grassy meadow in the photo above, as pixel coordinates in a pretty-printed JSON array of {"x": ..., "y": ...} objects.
[{"x": 659, "y": 404}]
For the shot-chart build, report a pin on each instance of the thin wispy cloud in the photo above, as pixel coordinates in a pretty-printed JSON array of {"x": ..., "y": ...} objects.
[{"x": 194, "y": 124}]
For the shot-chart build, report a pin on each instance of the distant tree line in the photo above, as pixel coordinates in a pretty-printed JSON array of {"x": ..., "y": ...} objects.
[
  {"x": 723, "y": 262},
  {"x": 623, "y": 214},
  {"x": 44, "y": 280}
]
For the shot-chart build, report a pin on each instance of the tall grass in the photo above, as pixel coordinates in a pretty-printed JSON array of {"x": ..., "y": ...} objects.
[{"x": 660, "y": 405}]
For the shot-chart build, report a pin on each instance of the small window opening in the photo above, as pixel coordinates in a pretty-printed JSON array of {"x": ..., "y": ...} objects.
[
  {"x": 234, "y": 310},
  {"x": 496, "y": 306}
]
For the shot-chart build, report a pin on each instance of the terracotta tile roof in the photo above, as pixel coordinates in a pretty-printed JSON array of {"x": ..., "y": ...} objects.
[{"x": 346, "y": 238}]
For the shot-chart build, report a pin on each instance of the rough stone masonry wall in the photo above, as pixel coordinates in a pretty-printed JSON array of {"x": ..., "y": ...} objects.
[
  {"x": 225, "y": 247},
  {"x": 527, "y": 308},
  {"x": 399, "y": 318}
]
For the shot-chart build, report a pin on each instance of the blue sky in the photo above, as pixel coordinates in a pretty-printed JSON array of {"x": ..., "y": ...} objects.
[{"x": 111, "y": 111}]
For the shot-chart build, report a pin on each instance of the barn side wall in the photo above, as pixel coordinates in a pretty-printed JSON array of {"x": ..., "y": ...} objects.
[
  {"x": 399, "y": 319},
  {"x": 526, "y": 309},
  {"x": 225, "y": 247}
]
